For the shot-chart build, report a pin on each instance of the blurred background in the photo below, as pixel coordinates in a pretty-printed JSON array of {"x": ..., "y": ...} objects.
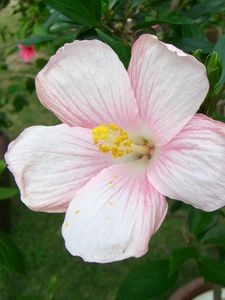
[{"x": 34, "y": 263}]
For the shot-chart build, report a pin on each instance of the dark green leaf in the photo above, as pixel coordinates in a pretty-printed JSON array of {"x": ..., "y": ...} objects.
[
  {"x": 10, "y": 256},
  {"x": 30, "y": 85},
  {"x": 192, "y": 44},
  {"x": 218, "y": 117},
  {"x": 37, "y": 39},
  {"x": 122, "y": 50},
  {"x": 40, "y": 63},
  {"x": 176, "y": 20},
  {"x": 180, "y": 256},
  {"x": 146, "y": 281},
  {"x": 199, "y": 222},
  {"x": 84, "y": 12},
  {"x": 4, "y": 121},
  {"x": 215, "y": 236},
  {"x": 19, "y": 102},
  {"x": 212, "y": 270},
  {"x": 3, "y": 3},
  {"x": 175, "y": 205},
  {"x": 6, "y": 192},
  {"x": 220, "y": 49},
  {"x": 206, "y": 7}
]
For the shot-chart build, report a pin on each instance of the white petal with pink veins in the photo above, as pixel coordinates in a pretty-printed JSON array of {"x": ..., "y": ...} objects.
[
  {"x": 169, "y": 86},
  {"x": 191, "y": 167},
  {"x": 51, "y": 164},
  {"x": 114, "y": 216},
  {"x": 85, "y": 84}
]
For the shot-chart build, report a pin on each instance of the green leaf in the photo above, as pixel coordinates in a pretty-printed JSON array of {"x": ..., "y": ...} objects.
[
  {"x": 4, "y": 121},
  {"x": 2, "y": 166},
  {"x": 122, "y": 50},
  {"x": 37, "y": 39},
  {"x": 220, "y": 49},
  {"x": 6, "y": 192},
  {"x": 218, "y": 117},
  {"x": 206, "y": 7},
  {"x": 10, "y": 256},
  {"x": 212, "y": 270},
  {"x": 215, "y": 236},
  {"x": 19, "y": 102},
  {"x": 111, "y": 3},
  {"x": 192, "y": 44},
  {"x": 180, "y": 256},
  {"x": 214, "y": 69},
  {"x": 199, "y": 222},
  {"x": 84, "y": 12},
  {"x": 176, "y": 20},
  {"x": 146, "y": 281}
]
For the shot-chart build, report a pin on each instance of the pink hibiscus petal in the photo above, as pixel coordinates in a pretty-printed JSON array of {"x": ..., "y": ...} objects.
[
  {"x": 114, "y": 215},
  {"x": 191, "y": 167},
  {"x": 169, "y": 86},
  {"x": 51, "y": 164},
  {"x": 85, "y": 84}
]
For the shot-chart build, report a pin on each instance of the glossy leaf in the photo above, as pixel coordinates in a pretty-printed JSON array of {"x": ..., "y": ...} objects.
[
  {"x": 122, "y": 50},
  {"x": 199, "y": 222},
  {"x": 82, "y": 12},
  {"x": 7, "y": 193},
  {"x": 10, "y": 256},
  {"x": 212, "y": 270},
  {"x": 180, "y": 256},
  {"x": 149, "y": 280}
]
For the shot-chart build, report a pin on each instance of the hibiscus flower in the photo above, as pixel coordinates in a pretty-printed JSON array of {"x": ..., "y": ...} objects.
[
  {"x": 26, "y": 52},
  {"x": 128, "y": 140}
]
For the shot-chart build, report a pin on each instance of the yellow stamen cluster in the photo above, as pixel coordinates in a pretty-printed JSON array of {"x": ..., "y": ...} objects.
[{"x": 112, "y": 138}]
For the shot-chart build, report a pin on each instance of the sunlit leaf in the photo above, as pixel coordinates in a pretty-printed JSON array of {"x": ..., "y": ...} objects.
[{"x": 82, "y": 12}]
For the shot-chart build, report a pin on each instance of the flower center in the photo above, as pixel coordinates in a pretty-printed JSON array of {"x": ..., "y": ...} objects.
[{"x": 111, "y": 138}]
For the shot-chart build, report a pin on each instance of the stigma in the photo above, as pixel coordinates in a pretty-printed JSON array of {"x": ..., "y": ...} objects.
[{"x": 111, "y": 138}]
